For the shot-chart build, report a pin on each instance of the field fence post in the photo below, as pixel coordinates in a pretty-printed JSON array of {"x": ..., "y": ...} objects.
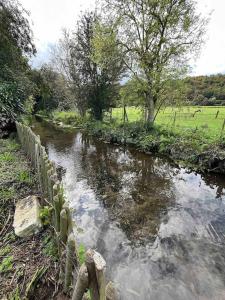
[
  {"x": 174, "y": 119},
  {"x": 222, "y": 128},
  {"x": 217, "y": 114}
]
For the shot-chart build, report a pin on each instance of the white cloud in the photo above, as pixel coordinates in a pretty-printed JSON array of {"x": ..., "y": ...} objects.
[
  {"x": 212, "y": 58},
  {"x": 50, "y": 16}
]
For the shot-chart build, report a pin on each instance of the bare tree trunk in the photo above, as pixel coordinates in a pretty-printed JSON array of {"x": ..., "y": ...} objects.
[{"x": 150, "y": 109}]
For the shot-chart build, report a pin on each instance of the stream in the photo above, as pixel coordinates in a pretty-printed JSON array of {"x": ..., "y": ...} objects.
[{"x": 160, "y": 228}]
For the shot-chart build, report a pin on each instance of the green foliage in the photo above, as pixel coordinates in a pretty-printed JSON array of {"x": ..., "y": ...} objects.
[
  {"x": 68, "y": 118},
  {"x": 45, "y": 215},
  {"x": 15, "y": 295},
  {"x": 7, "y": 157},
  {"x": 5, "y": 250},
  {"x": 7, "y": 193},
  {"x": 94, "y": 80},
  {"x": 206, "y": 90},
  {"x": 24, "y": 176},
  {"x": 9, "y": 237},
  {"x": 6, "y": 265},
  {"x": 156, "y": 37},
  {"x": 81, "y": 253},
  {"x": 132, "y": 93},
  {"x": 11, "y": 102},
  {"x": 15, "y": 45},
  {"x": 52, "y": 90},
  {"x": 50, "y": 247}
]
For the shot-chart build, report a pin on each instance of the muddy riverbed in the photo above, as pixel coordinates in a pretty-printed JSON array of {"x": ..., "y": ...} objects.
[{"x": 160, "y": 228}]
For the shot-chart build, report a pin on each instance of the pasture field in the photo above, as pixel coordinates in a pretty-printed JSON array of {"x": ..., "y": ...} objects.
[{"x": 209, "y": 119}]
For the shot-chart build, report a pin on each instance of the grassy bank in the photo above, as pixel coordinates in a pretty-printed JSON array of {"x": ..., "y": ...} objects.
[
  {"x": 194, "y": 137},
  {"x": 24, "y": 262}
]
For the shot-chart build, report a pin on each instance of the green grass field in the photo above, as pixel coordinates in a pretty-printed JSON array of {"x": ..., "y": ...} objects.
[{"x": 180, "y": 118}]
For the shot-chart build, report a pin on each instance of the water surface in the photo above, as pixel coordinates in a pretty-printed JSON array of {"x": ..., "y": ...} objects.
[{"x": 160, "y": 228}]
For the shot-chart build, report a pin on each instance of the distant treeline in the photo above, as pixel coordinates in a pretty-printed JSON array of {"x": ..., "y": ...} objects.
[{"x": 206, "y": 90}]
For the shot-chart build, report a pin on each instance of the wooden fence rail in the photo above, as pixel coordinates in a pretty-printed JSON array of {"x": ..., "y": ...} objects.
[{"x": 76, "y": 279}]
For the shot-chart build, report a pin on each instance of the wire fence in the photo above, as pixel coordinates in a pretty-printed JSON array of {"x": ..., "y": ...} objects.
[{"x": 208, "y": 119}]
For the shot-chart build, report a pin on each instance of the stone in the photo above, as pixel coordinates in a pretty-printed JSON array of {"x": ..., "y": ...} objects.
[{"x": 26, "y": 218}]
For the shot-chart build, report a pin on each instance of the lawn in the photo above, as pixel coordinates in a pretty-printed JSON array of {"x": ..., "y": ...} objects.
[{"x": 210, "y": 119}]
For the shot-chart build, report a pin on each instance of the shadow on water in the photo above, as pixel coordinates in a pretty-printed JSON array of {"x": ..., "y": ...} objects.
[{"x": 161, "y": 229}]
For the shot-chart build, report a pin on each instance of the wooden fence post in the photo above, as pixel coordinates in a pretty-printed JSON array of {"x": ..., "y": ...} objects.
[
  {"x": 71, "y": 260},
  {"x": 93, "y": 283},
  {"x": 63, "y": 226},
  {"x": 91, "y": 274},
  {"x": 174, "y": 119},
  {"x": 217, "y": 114},
  {"x": 110, "y": 291},
  {"x": 222, "y": 128},
  {"x": 81, "y": 284},
  {"x": 100, "y": 266}
]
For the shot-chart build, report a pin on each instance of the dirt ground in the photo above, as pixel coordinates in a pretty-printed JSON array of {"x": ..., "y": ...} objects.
[{"x": 28, "y": 266}]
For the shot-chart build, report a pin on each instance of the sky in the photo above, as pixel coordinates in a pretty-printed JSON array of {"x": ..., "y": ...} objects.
[{"x": 49, "y": 17}]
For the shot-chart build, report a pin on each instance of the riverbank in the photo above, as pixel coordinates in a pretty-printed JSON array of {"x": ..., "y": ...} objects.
[
  {"x": 28, "y": 266},
  {"x": 192, "y": 148}
]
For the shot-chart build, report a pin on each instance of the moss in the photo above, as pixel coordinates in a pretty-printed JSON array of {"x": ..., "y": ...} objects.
[
  {"x": 6, "y": 265},
  {"x": 81, "y": 253}
]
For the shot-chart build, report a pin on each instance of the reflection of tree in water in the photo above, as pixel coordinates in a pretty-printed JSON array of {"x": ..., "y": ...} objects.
[
  {"x": 135, "y": 188},
  {"x": 49, "y": 134},
  {"x": 215, "y": 180},
  {"x": 101, "y": 169}
]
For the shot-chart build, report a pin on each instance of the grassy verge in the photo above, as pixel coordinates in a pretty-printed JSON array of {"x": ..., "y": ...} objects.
[
  {"x": 21, "y": 259},
  {"x": 198, "y": 146}
]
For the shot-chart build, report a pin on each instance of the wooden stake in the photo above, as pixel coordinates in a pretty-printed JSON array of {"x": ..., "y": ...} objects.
[
  {"x": 63, "y": 226},
  {"x": 100, "y": 266},
  {"x": 93, "y": 283},
  {"x": 81, "y": 284},
  {"x": 110, "y": 291},
  {"x": 70, "y": 259}
]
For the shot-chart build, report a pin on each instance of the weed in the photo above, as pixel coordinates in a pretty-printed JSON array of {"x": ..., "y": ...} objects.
[
  {"x": 7, "y": 193},
  {"x": 7, "y": 157},
  {"x": 9, "y": 237},
  {"x": 24, "y": 176},
  {"x": 5, "y": 250},
  {"x": 13, "y": 146},
  {"x": 15, "y": 295},
  {"x": 6, "y": 264},
  {"x": 45, "y": 215},
  {"x": 50, "y": 247},
  {"x": 81, "y": 253}
]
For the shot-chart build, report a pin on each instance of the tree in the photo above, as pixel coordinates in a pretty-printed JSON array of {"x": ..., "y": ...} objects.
[
  {"x": 15, "y": 39},
  {"x": 131, "y": 93},
  {"x": 15, "y": 47},
  {"x": 157, "y": 38},
  {"x": 51, "y": 91},
  {"x": 94, "y": 83}
]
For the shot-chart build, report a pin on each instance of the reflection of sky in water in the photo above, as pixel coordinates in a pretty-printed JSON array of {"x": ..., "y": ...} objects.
[{"x": 186, "y": 260}]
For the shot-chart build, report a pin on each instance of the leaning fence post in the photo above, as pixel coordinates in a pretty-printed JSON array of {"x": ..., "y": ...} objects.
[
  {"x": 217, "y": 114},
  {"x": 93, "y": 283},
  {"x": 63, "y": 226},
  {"x": 174, "y": 119},
  {"x": 222, "y": 128},
  {"x": 81, "y": 284},
  {"x": 100, "y": 266},
  {"x": 71, "y": 260}
]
